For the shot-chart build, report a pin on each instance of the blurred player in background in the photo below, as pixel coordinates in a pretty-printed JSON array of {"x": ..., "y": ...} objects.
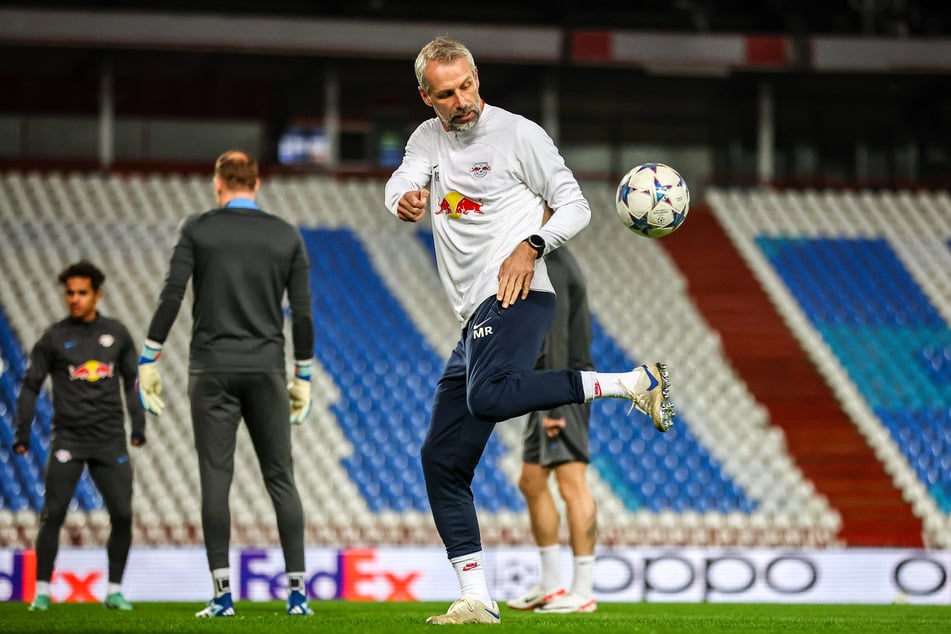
[
  {"x": 86, "y": 354},
  {"x": 557, "y": 441},
  {"x": 492, "y": 173},
  {"x": 241, "y": 261}
]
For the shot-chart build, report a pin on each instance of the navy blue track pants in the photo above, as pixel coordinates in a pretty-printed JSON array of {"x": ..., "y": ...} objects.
[{"x": 489, "y": 378}]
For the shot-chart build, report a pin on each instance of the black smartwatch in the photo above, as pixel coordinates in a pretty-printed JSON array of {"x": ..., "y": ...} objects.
[{"x": 538, "y": 243}]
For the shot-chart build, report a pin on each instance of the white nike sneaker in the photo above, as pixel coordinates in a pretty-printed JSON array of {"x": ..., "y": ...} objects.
[
  {"x": 567, "y": 604},
  {"x": 651, "y": 394},
  {"x": 467, "y": 610},
  {"x": 534, "y": 598}
]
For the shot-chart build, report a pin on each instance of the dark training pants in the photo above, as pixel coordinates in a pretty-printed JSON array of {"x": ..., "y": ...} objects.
[
  {"x": 111, "y": 472},
  {"x": 489, "y": 377},
  {"x": 218, "y": 402}
]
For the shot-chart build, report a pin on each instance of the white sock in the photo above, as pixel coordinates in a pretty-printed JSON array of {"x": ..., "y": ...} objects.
[
  {"x": 112, "y": 588},
  {"x": 295, "y": 581},
  {"x": 583, "y": 582},
  {"x": 551, "y": 568},
  {"x": 222, "y": 581},
  {"x": 589, "y": 381},
  {"x": 471, "y": 573},
  {"x": 43, "y": 588},
  {"x": 608, "y": 384}
]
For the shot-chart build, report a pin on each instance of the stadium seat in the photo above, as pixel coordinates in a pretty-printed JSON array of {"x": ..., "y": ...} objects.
[{"x": 722, "y": 474}]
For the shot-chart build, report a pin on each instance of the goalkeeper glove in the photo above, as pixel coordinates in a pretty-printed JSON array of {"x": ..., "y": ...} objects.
[
  {"x": 298, "y": 390},
  {"x": 149, "y": 383}
]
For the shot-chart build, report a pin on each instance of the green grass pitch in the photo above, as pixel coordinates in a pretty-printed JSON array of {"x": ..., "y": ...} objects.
[{"x": 382, "y": 618}]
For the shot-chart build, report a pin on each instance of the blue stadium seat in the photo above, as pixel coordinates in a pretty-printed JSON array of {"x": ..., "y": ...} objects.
[
  {"x": 873, "y": 314},
  {"x": 629, "y": 440},
  {"x": 385, "y": 404}
]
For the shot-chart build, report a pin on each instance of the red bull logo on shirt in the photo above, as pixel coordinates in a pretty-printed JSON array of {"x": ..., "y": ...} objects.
[
  {"x": 480, "y": 169},
  {"x": 455, "y": 205},
  {"x": 91, "y": 371}
]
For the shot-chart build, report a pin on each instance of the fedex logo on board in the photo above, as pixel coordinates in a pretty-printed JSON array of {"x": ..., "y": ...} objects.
[
  {"x": 18, "y": 576},
  {"x": 355, "y": 575},
  {"x": 18, "y": 581}
]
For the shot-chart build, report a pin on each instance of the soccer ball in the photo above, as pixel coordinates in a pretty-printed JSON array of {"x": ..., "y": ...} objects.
[{"x": 652, "y": 200}]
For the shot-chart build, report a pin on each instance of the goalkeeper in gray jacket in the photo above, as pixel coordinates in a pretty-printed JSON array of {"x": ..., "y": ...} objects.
[{"x": 241, "y": 261}]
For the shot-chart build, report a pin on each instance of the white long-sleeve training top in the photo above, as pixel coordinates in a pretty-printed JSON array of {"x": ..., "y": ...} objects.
[{"x": 488, "y": 189}]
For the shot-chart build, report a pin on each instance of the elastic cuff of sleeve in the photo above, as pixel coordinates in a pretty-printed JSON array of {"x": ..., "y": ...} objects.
[
  {"x": 151, "y": 351},
  {"x": 302, "y": 369}
]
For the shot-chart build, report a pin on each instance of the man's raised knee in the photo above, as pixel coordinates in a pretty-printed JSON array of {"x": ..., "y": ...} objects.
[{"x": 485, "y": 403}]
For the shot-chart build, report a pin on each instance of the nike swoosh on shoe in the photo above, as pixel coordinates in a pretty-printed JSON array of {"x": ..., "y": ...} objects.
[{"x": 654, "y": 383}]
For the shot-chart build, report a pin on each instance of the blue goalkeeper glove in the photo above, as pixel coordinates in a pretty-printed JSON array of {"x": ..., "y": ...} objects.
[
  {"x": 298, "y": 390},
  {"x": 149, "y": 383}
]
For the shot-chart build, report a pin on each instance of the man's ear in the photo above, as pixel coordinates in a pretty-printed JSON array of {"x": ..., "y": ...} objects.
[{"x": 425, "y": 96}]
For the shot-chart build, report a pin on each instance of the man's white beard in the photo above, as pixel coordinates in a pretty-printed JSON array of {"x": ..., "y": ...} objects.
[{"x": 462, "y": 126}]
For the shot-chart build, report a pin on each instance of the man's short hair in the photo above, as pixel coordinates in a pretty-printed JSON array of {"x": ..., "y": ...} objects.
[
  {"x": 237, "y": 170},
  {"x": 441, "y": 49},
  {"x": 83, "y": 268}
]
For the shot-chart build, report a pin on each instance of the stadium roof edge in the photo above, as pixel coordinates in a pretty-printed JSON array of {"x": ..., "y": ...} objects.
[{"x": 361, "y": 38}]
